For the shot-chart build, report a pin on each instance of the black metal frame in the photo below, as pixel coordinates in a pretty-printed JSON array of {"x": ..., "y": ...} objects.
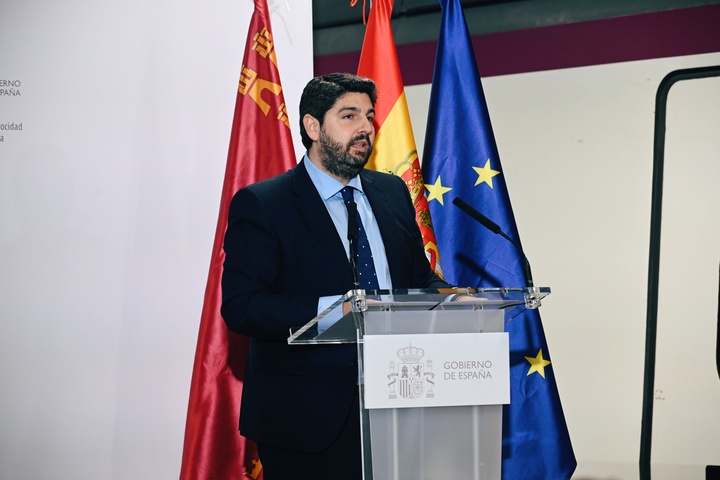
[{"x": 654, "y": 263}]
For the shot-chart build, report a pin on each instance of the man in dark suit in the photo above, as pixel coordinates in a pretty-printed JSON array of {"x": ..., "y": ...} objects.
[{"x": 287, "y": 260}]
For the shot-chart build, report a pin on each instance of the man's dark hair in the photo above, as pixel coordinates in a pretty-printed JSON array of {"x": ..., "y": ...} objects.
[{"x": 321, "y": 93}]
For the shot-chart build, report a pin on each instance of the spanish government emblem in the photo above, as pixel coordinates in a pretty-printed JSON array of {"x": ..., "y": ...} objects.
[{"x": 411, "y": 378}]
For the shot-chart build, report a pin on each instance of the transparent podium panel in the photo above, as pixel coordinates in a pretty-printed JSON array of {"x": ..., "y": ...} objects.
[
  {"x": 433, "y": 438},
  {"x": 459, "y": 442},
  {"x": 433, "y": 443},
  {"x": 347, "y": 315}
]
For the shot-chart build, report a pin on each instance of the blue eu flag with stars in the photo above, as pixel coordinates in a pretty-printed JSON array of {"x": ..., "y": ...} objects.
[{"x": 461, "y": 160}]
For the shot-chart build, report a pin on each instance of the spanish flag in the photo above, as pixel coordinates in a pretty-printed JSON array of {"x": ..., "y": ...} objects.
[{"x": 394, "y": 150}]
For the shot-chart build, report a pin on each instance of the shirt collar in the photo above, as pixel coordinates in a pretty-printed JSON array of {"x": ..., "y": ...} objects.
[{"x": 326, "y": 185}]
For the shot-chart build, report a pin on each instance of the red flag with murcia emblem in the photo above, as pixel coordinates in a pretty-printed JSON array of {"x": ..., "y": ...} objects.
[{"x": 260, "y": 147}]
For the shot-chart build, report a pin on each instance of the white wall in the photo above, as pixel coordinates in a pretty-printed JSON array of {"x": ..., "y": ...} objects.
[
  {"x": 576, "y": 147},
  {"x": 108, "y": 202}
]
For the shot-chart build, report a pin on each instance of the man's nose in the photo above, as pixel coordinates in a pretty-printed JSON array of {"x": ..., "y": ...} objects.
[{"x": 366, "y": 127}]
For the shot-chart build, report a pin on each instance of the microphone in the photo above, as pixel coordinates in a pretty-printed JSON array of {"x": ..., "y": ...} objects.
[
  {"x": 352, "y": 234},
  {"x": 495, "y": 228}
]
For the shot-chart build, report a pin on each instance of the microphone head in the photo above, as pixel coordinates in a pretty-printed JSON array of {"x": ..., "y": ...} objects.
[
  {"x": 484, "y": 221},
  {"x": 495, "y": 228}
]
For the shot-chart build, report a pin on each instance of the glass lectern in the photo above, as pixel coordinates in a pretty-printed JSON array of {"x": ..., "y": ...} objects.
[{"x": 434, "y": 373}]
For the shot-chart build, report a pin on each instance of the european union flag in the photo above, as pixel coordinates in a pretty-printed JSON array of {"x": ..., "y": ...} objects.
[{"x": 461, "y": 160}]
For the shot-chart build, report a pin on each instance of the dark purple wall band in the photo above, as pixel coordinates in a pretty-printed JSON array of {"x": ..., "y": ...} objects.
[{"x": 685, "y": 31}]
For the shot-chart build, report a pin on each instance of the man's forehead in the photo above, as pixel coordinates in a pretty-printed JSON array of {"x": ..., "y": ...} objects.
[{"x": 353, "y": 101}]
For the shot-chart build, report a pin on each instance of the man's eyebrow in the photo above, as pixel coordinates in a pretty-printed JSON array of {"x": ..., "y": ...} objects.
[{"x": 355, "y": 109}]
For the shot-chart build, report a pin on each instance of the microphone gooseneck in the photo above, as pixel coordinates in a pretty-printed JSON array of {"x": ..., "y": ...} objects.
[{"x": 495, "y": 228}]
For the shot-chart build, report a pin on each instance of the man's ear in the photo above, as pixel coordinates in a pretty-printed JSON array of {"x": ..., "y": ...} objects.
[{"x": 312, "y": 127}]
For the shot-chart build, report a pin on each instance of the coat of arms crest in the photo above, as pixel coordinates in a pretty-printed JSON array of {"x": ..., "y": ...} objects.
[{"x": 411, "y": 378}]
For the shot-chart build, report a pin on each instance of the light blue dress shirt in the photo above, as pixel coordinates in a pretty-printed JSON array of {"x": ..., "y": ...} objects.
[{"x": 329, "y": 190}]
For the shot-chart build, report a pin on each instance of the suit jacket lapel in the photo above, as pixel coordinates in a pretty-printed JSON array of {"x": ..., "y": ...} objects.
[{"x": 312, "y": 209}]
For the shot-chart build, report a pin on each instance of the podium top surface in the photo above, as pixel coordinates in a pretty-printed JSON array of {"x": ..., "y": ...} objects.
[{"x": 346, "y": 315}]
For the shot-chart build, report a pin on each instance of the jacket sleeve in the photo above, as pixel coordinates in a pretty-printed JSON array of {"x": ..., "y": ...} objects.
[{"x": 253, "y": 301}]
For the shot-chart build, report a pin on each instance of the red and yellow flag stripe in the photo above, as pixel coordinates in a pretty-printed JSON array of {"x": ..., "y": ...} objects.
[{"x": 395, "y": 151}]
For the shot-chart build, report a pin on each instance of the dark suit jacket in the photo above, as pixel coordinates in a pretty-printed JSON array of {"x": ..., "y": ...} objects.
[{"x": 282, "y": 253}]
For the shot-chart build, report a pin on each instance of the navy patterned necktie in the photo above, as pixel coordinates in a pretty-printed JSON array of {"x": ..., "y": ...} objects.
[{"x": 365, "y": 264}]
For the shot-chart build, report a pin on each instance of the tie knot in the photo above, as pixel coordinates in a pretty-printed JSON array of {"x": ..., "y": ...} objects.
[{"x": 347, "y": 194}]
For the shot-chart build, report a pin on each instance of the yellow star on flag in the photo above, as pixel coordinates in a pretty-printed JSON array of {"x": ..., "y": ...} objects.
[
  {"x": 436, "y": 191},
  {"x": 537, "y": 364},
  {"x": 485, "y": 174}
]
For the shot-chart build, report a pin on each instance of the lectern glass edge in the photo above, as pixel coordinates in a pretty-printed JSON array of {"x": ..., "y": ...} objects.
[{"x": 345, "y": 325}]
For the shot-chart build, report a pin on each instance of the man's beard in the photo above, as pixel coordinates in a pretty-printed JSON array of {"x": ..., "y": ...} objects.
[{"x": 337, "y": 159}]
